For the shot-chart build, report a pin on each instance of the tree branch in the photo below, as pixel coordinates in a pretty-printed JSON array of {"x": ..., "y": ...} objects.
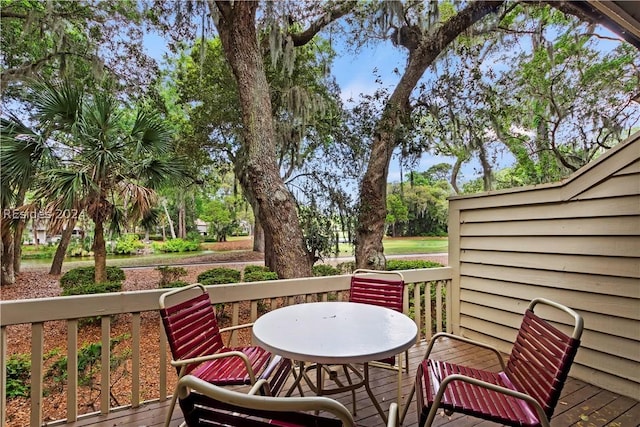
[{"x": 300, "y": 39}]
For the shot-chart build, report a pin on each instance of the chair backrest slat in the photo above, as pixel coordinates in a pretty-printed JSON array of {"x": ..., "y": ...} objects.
[
  {"x": 540, "y": 360},
  {"x": 382, "y": 292},
  {"x": 191, "y": 328},
  {"x": 199, "y": 410}
]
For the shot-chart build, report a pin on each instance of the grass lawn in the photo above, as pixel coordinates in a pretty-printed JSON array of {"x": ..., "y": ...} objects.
[
  {"x": 392, "y": 246},
  {"x": 415, "y": 245},
  {"x": 406, "y": 246}
]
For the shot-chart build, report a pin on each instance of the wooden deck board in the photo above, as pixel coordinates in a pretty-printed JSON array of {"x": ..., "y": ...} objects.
[{"x": 580, "y": 404}]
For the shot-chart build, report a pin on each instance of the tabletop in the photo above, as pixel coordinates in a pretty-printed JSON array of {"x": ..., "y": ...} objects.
[{"x": 335, "y": 332}]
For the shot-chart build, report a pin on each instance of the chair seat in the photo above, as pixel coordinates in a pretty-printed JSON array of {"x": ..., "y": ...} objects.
[
  {"x": 232, "y": 370},
  {"x": 471, "y": 399}
]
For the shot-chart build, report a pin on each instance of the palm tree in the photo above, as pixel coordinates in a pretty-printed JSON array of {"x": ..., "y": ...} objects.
[
  {"x": 112, "y": 161},
  {"x": 23, "y": 152}
]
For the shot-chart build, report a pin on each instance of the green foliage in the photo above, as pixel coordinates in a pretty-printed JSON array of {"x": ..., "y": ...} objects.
[
  {"x": 92, "y": 288},
  {"x": 397, "y": 212},
  {"x": 259, "y": 276},
  {"x": 18, "y": 374},
  {"x": 400, "y": 264},
  {"x": 169, "y": 275},
  {"x": 38, "y": 252},
  {"x": 85, "y": 276},
  {"x": 250, "y": 268},
  {"x": 79, "y": 247},
  {"x": 89, "y": 368},
  {"x": 346, "y": 267},
  {"x": 317, "y": 228},
  {"x": 175, "y": 284},
  {"x": 177, "y": 245},
  {"x": 325, "y": 270},
  {"x": 219, "y": 275},
  {"x": 128, "y": 244}
]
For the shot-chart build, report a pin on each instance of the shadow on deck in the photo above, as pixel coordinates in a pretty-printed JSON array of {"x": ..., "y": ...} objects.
[{"x": 580, "y": 404}]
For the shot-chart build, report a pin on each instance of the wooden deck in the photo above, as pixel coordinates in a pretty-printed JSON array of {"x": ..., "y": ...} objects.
[{"x": 580, "y": 404}]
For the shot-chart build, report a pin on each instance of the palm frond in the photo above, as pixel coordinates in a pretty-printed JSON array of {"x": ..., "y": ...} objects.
[
  {"x": 155, "y": 173},
  {"x": 57, "y": 102},
  {"x": 151, "y": 134}
]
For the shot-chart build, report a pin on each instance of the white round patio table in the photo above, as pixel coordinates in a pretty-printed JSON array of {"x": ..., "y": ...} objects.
[{"x": 339, "y": 333}]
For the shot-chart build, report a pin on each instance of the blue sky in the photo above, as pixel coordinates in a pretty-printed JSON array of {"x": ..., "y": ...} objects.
[{"x": 356, "y": 74}]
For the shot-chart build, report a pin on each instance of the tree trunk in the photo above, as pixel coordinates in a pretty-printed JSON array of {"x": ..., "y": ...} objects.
[
  {"x": 182, "y": 229},
  {"x": 166, "y": 212},
  {"x": 34, "y": 230},
  {"x": 373, "y": 189},
  {"x": 17, "y": 246},
  {"x": 7, "y": 274},
  {"x": 277, "y": 208},
  {"x": 99, "y": 253},
  {"x": 61, "y": 250},
  {"x": 258, "y": 237}
]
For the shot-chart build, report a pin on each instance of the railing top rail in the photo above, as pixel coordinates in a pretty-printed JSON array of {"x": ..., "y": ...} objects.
[{"x": 78, "y": 306}]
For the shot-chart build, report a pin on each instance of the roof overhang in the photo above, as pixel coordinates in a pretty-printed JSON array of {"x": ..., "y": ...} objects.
[{"x": 621, "y": 17}]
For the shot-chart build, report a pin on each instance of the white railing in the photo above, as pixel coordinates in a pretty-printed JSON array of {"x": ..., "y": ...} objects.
[{"x": 426, "y": 288}]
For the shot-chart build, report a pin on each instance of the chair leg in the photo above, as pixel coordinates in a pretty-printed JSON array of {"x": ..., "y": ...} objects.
[
  {"x": 353, "y": 392},
  {"x": 174, "y": 399},
  {"x": 406, "y": 404},
  {"x": 422, "y": 419}
]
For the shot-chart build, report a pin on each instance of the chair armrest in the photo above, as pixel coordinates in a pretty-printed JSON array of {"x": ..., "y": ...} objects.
[
  {"x": 268, "y": 403},
  {"x": 542, "y": 417},
  {"x": 197, "y": 360},
  {"x": 233, "y": 329},
  {"x": 466, "y": 340}
]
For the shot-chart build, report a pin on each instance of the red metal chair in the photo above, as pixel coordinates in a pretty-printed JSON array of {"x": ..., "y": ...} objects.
[
  {"x": 197, "y": 347},
  {"x": 205, "y": 404},
  {"x": 525, "y": 393},
  {"x": 372, "y": 287}
]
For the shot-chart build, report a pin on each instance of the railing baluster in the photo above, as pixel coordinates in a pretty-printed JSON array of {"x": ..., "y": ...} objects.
[
  {"x": 105, "y": 368},
  {"x": 72, "y": 369},
  {"x": 254, "y": 310},
  {"x": 426, "y": 298},
  {"x": 3, "y": 376},
  {"x": 235, "y": 320},
  {"x": 135, "y": 360},
  {"x": 163, "y": 363},
  {"x": 417, "y": 310},
  {"x": 439, "y": 306},
  {"x": 37, "y": 370}
]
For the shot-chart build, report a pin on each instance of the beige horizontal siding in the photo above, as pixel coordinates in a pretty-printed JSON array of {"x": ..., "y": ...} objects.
[
  {"x": 576, "y": 242},
  {"x": 627, "y": 205},
  {"x": 590, "y": 265}
]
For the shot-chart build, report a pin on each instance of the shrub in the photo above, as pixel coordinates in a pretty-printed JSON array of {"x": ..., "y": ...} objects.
[
  {"x": 85, "y": 275},
  {"x": 346, "y": 267},
  {"x": 128, "y": 244},
  {"x": 18, "y": 374},
  {"x": 92, "y": 288},
  {"x": 216, "y": 275},
  {"x": 253, "y": 268},
  {"x": 177, "y": 245},
  {"x": 325, "y": 270},
  {"x": 399, "y": 264},
  {"x": 170, "y": 274},
  {"x": 174, "y": 284},
  {"x": 259, "y": 276}
]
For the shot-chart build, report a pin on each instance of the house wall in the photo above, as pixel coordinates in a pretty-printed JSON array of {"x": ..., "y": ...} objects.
[{"x": 576, "y": 242}]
